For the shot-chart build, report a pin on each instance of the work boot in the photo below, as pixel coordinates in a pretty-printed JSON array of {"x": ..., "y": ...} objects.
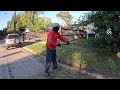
[
  {"x": 47, "y": 73},
  {"x": 54, "y": 68}
]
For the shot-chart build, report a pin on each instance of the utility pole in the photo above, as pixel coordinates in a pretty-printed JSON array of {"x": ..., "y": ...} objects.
[{"x": 15, "y": 22}]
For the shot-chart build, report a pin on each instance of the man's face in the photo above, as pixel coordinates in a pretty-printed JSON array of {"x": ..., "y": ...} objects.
[{"x": 56, "y": 29}]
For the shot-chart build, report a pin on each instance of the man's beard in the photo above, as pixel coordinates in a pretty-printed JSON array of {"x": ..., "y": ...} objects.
[{"x": 56, "y": 29}]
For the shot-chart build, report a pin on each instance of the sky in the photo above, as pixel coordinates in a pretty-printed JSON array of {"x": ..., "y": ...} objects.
[{"x": 6, "y": 16}]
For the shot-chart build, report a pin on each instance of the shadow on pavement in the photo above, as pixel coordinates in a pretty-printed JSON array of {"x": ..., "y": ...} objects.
[
  {"x": 10, "y": 54},
  {"x": 29, "y": 42}
]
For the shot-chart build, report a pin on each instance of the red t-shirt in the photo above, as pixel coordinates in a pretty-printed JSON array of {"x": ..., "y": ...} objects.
[{"x": 52, "y": 39}]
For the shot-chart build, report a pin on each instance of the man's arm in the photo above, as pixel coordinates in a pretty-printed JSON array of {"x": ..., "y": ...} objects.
[{"x": 62, "y": 38}]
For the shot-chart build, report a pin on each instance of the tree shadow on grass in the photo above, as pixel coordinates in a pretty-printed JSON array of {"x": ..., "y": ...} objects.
[{"x": 26, "y": 43}]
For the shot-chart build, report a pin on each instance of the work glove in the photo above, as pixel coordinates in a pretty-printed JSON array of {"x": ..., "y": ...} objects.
[
  {"x": 58, "y": 45},
  {"x": 68, "y": 43}
]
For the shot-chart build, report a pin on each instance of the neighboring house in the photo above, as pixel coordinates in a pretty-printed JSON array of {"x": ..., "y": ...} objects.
[
  {"x": 27, "y": 30},
  {"x": 90, "y": 30},
  {"x": 28, "y": 33}
]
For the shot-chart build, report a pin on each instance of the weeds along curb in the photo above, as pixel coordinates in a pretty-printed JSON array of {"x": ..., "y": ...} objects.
[{"x": 95, "y": 75}]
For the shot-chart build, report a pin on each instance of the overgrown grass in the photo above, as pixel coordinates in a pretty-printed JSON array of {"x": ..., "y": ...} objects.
[
  {"x": 103, "y": 45},
  {"x": 37, "y": 47},
  {"x": 84, "y": 56}
]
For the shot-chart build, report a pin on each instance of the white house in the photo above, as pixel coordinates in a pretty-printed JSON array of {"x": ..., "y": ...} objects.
[
  {"x": 90, "y": 29},
  {"x": 27, "y": 30}
]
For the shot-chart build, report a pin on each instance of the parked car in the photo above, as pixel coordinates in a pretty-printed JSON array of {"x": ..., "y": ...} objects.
[{"x": 13, "y": 40}]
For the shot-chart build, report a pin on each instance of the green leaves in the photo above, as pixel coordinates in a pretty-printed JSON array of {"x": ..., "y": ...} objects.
[
  {"x": 65, "y": 16},
  {"x": 30, "y": 19},
  {"x": 104, "y": 20}
]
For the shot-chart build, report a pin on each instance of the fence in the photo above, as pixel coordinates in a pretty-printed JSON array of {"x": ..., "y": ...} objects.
[
  {"x": 71, "y": 33},
  {"x": 36, "y": 35}
]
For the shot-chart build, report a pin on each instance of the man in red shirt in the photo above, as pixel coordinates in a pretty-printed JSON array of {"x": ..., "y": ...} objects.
[{"x": 51, "y": 45}]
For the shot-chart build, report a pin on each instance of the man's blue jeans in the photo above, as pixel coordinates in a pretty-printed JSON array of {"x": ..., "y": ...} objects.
[{"x": 50, "y": 57}]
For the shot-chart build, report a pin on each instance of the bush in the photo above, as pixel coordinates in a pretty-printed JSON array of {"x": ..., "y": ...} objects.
[
  {"x": 104, "y": 42},
  {"x": 88, "y": 43}
]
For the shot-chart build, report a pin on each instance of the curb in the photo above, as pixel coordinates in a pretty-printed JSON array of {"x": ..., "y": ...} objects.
[{"x": 95, "y": 75}]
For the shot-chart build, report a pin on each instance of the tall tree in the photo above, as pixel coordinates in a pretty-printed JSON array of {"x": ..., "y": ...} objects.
[
  {"x": 42, "y": 23},
  {"x": 65, "y": 16},
  {"x": 32, "y": 16},
  {"x": 29, "y": 19}
]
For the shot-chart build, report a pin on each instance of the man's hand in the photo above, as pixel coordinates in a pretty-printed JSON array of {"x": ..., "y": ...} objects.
[
  {"x": 68, "y": 43},
  {"x": 58, "y": 45}
]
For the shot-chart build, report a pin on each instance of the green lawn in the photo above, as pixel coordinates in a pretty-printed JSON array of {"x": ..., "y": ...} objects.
[
  {"x": 37, "y": 47},
  {"x": 83, "y": 56}
]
